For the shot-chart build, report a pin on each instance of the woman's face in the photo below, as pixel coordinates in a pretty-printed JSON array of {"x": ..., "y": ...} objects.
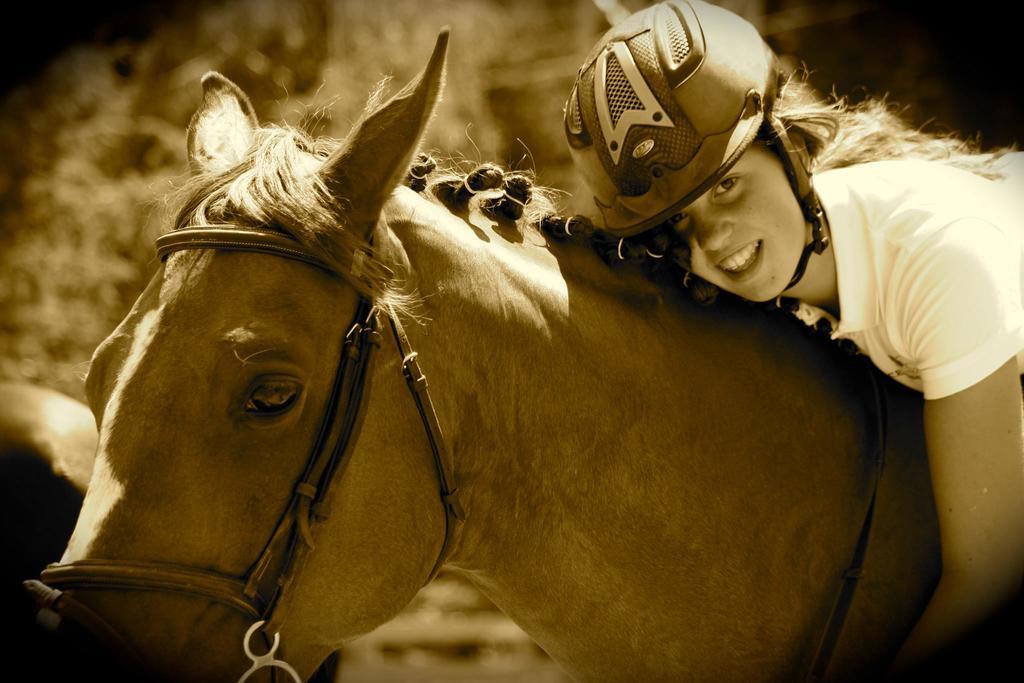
[{"x": 747, "y": 232}]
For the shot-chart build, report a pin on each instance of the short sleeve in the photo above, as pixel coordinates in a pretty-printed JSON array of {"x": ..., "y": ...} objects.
[{"x": 955, "y": 304}]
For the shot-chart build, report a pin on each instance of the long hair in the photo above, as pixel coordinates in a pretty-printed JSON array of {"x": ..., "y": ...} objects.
[{"x": 838, "y": 134}]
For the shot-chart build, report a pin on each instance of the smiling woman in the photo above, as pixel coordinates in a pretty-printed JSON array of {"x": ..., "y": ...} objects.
[
  {"x": 909, "y": 246},
  {"x": 747, "y": 230}
]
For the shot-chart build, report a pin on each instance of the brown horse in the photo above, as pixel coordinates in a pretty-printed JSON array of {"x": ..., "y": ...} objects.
[{"x": 651, "y": 490}]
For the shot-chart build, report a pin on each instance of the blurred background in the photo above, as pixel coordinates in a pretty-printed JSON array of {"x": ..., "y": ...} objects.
[{"x": 95, "y": 97}]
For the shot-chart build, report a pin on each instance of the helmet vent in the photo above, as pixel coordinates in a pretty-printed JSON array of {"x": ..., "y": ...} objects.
[
  {"x": 620, "y": 94},
  {"x": 575, "y": 119},
  {"x": 677, "y": 39}
]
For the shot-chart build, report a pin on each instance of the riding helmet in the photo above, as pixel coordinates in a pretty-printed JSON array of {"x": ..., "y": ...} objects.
[{"x": 665, "y": 104}]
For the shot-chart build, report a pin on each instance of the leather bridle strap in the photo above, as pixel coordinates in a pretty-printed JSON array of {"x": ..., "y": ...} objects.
[
  {"x": 284, "y": 555},
  {"x": 229, "y": 238},
  {"x": 454, "y": 514},
  {"x": 259, "y": 593},
  {"x": 64, "y": 614},
  {"x": 150, "y": 576},
  {"x": 853, "y": 573}
]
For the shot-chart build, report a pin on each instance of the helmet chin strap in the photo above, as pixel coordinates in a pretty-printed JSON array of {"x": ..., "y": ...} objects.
[
  {"x": 818, "y": 244},
  {"x": 794, "y": 160}
]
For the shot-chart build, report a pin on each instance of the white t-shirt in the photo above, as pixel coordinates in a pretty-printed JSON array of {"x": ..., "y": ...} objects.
[{"x": 929, "y": 269}]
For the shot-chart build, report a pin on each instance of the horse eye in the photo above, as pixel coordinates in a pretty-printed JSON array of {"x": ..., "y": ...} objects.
[{"x": 272, "y": 398}]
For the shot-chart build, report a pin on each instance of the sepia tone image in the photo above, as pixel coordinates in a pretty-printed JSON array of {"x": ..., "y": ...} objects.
[{"x": 477, "y": 340}]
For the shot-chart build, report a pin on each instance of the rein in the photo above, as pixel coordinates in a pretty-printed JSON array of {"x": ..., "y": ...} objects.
[
  {"x": 259, "y": 594},
  {"x": 855, "y": 571}
]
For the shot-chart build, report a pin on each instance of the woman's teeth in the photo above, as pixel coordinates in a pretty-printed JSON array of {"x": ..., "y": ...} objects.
[{"x": 742, "y": 259}]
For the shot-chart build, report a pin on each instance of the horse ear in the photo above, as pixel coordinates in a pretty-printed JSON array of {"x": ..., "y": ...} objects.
[
  {"x": 221, "y": 131},
  {"x": 375, "y": 156}
]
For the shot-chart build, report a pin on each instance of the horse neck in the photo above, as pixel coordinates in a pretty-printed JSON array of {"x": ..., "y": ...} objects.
[
  {"x": 587, "y": 412},
  {"x": 514, "y": 375}
]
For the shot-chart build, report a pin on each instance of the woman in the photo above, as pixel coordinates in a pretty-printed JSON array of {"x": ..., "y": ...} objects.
[{"x": 909, "y": 245}]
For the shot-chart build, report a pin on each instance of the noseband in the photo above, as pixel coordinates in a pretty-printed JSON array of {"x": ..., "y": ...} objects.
[{"x": 259, "y": 593}]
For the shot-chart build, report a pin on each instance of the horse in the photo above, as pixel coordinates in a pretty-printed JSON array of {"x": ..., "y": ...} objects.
[{"x": 652, "y": 490}]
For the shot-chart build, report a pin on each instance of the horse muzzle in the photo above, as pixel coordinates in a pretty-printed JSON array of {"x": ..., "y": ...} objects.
[{"x": 94, "y": 642}]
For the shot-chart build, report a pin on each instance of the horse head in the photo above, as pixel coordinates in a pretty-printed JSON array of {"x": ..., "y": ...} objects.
[{"x": 231, "y": 369}]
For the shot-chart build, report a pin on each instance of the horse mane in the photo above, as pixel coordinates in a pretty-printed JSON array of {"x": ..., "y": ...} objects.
[{"x": 277, "y": 185}]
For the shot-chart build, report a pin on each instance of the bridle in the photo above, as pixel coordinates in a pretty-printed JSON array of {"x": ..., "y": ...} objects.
[{"x": 259, "y": 594}]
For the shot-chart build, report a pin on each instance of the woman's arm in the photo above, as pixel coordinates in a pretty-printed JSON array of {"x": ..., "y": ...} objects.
[{"x": 976, "y": 458}]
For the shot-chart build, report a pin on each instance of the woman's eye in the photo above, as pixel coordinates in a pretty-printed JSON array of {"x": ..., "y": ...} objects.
[
  {"x": 725, "y": 185},
  {"x": 272, "y": 398}
]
